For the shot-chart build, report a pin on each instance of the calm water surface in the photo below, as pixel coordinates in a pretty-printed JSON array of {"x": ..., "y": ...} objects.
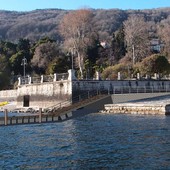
[{"x": 95, "y": 141}]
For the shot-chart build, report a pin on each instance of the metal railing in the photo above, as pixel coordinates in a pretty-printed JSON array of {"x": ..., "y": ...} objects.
[
  {"x": 36, "y": 80},
  {"x": 138, "y": 89},
  {"x": 63, "y": 76},
  {"x": 24, "y": 80},
  {"x": 79, "y": 98},
  {"x": 116, "y": 90},
  {"x": 48, "y": 78}
]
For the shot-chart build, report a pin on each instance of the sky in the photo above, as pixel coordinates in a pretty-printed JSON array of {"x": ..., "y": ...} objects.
[{"x": 29, "y": 5}]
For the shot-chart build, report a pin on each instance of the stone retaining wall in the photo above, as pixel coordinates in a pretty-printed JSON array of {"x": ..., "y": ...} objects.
[
  {"x": 138, "y": 108},
  {"x": 8, "y": 95},
  {"x": 45, "y": 94}
]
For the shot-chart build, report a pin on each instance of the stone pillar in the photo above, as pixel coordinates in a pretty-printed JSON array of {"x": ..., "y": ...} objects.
[
  {"x": 19, "y": 81},
  {"x": 146, "y": 77},
  {"x": 97, "y": 75},
  {"x": 155, "y": 76},
  {"x": 29, "y": 80},
  {"x": 40, "y": 115},
  {"x": 118, "y": 76},
  {"x": 55, "y": 77},
  {"x": 71, "y": 75},
  {"x": 138, "y": 76},
  {"x": 42, "y": 78}
]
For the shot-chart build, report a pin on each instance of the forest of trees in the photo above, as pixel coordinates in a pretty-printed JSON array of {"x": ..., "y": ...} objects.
[{"x": 108, "y": 41}]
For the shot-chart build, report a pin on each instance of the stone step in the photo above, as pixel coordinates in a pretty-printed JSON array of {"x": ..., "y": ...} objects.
[{"x": 138, "y": 108}]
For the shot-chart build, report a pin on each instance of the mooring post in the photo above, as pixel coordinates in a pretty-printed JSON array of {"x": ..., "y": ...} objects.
[
  {"x": 40, "y": 115},
  {"x": 6, "y": 117}
]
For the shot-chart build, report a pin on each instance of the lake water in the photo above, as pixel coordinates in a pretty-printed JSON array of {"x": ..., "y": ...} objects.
[{"x": 95, "y": 141}]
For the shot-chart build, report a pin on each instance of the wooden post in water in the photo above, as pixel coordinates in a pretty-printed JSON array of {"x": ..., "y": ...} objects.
[
  {"x": 40, "y": 115},
  {"x": 6, "y": 117}
]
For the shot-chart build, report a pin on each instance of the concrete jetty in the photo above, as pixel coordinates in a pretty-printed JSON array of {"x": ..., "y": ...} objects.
[
  {"x": 138, "y": 108},
  {"x": 32, "y": 119},
  {"x": 159, "y": 105}
]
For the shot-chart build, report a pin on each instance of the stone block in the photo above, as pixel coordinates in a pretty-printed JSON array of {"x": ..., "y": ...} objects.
[
  {"x": 69, "y": 114},
  {"x": 63, "y": 117}
]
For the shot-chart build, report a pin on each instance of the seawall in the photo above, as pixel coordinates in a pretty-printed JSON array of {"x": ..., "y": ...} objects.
[
  {"x": 138, "y": 108},
  {"x": 119, "y": 99},
  {"x": 44, "y": 94},
  {"x": 154, "y": 104},
  {"x": 8, "y": 95}
]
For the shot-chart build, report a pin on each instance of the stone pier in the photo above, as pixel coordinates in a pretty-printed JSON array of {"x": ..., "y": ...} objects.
[{"x": 138, "y": 108}]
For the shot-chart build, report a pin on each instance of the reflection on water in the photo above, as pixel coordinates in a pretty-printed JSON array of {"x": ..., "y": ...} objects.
[{"x": 96, "y": 141}]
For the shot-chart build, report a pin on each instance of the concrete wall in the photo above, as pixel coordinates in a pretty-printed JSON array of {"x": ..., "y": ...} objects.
[
  {"x": 45, "y": 94},
  {"x": 120, "y": 86},
  {"x": 123, "y": 98},
  {"x": 8, "y": 95},
  {"x": 99, "y": 105}
]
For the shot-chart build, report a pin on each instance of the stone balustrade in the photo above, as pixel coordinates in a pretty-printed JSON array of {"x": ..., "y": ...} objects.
[{"x": 47, "y": 78}]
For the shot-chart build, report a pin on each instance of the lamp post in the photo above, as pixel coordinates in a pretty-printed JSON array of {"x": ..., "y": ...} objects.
[{"x": 24, "y": 63}]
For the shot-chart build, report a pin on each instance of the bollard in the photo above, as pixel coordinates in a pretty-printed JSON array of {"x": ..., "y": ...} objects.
[
  {"x": 40, "y": 115},
  {"x": 6, "y": 117}
]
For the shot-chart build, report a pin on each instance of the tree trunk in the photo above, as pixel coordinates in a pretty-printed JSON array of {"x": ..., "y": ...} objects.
[{"x": 81, "y": 64}]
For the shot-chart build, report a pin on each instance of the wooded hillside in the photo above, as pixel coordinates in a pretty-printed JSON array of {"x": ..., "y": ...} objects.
[
  {"x": 87, "y": 40},
  {"x": 40, "y": 23}
]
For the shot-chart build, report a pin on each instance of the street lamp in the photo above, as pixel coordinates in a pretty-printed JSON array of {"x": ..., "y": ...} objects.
[{"x": 24, "y": 63}]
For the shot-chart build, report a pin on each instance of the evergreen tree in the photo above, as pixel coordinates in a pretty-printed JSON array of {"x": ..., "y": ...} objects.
[{"x": 118, "y": 45}]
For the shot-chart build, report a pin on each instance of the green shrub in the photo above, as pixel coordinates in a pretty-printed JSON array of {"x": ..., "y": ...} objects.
[
  {"x": 111, "y": 72},
  {"x": 154, "y": 64}
]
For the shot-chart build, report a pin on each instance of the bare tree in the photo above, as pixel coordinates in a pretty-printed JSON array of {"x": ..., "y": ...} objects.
[
  {"x": 164, "y": 34},
  {"x": 136, "y": 37},
  {"x": 75, "y": 28},
  {"x": 43, "y": 55}
]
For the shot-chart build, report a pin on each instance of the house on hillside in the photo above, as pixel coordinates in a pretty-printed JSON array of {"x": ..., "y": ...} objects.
[{"x": 156, "y": 45}]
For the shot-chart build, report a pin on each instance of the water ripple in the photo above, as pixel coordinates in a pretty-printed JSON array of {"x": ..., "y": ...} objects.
[{"x": 96, "y": 141}]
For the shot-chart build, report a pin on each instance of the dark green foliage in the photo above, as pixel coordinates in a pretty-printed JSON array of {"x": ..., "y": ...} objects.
[
  {"x": 4, "y": 72},
  {"x": 154, "y": 64},
  {"x": 4, "y": 80},
  {"x": 23, "y": 45},
  {"x": 58, "y": 65},
  {"x": 44, "y": 54},
  {"x": 15, "y": 62},
  {"x": 7, "y": 48},
  {"x": 40, "y": 43},
  {"x": 118, "y": 45},
  {"x": 111, "y": 72}
]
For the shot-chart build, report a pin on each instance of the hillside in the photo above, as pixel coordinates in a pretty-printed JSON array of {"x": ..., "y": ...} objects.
[{"x": 39, "y": 23}]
